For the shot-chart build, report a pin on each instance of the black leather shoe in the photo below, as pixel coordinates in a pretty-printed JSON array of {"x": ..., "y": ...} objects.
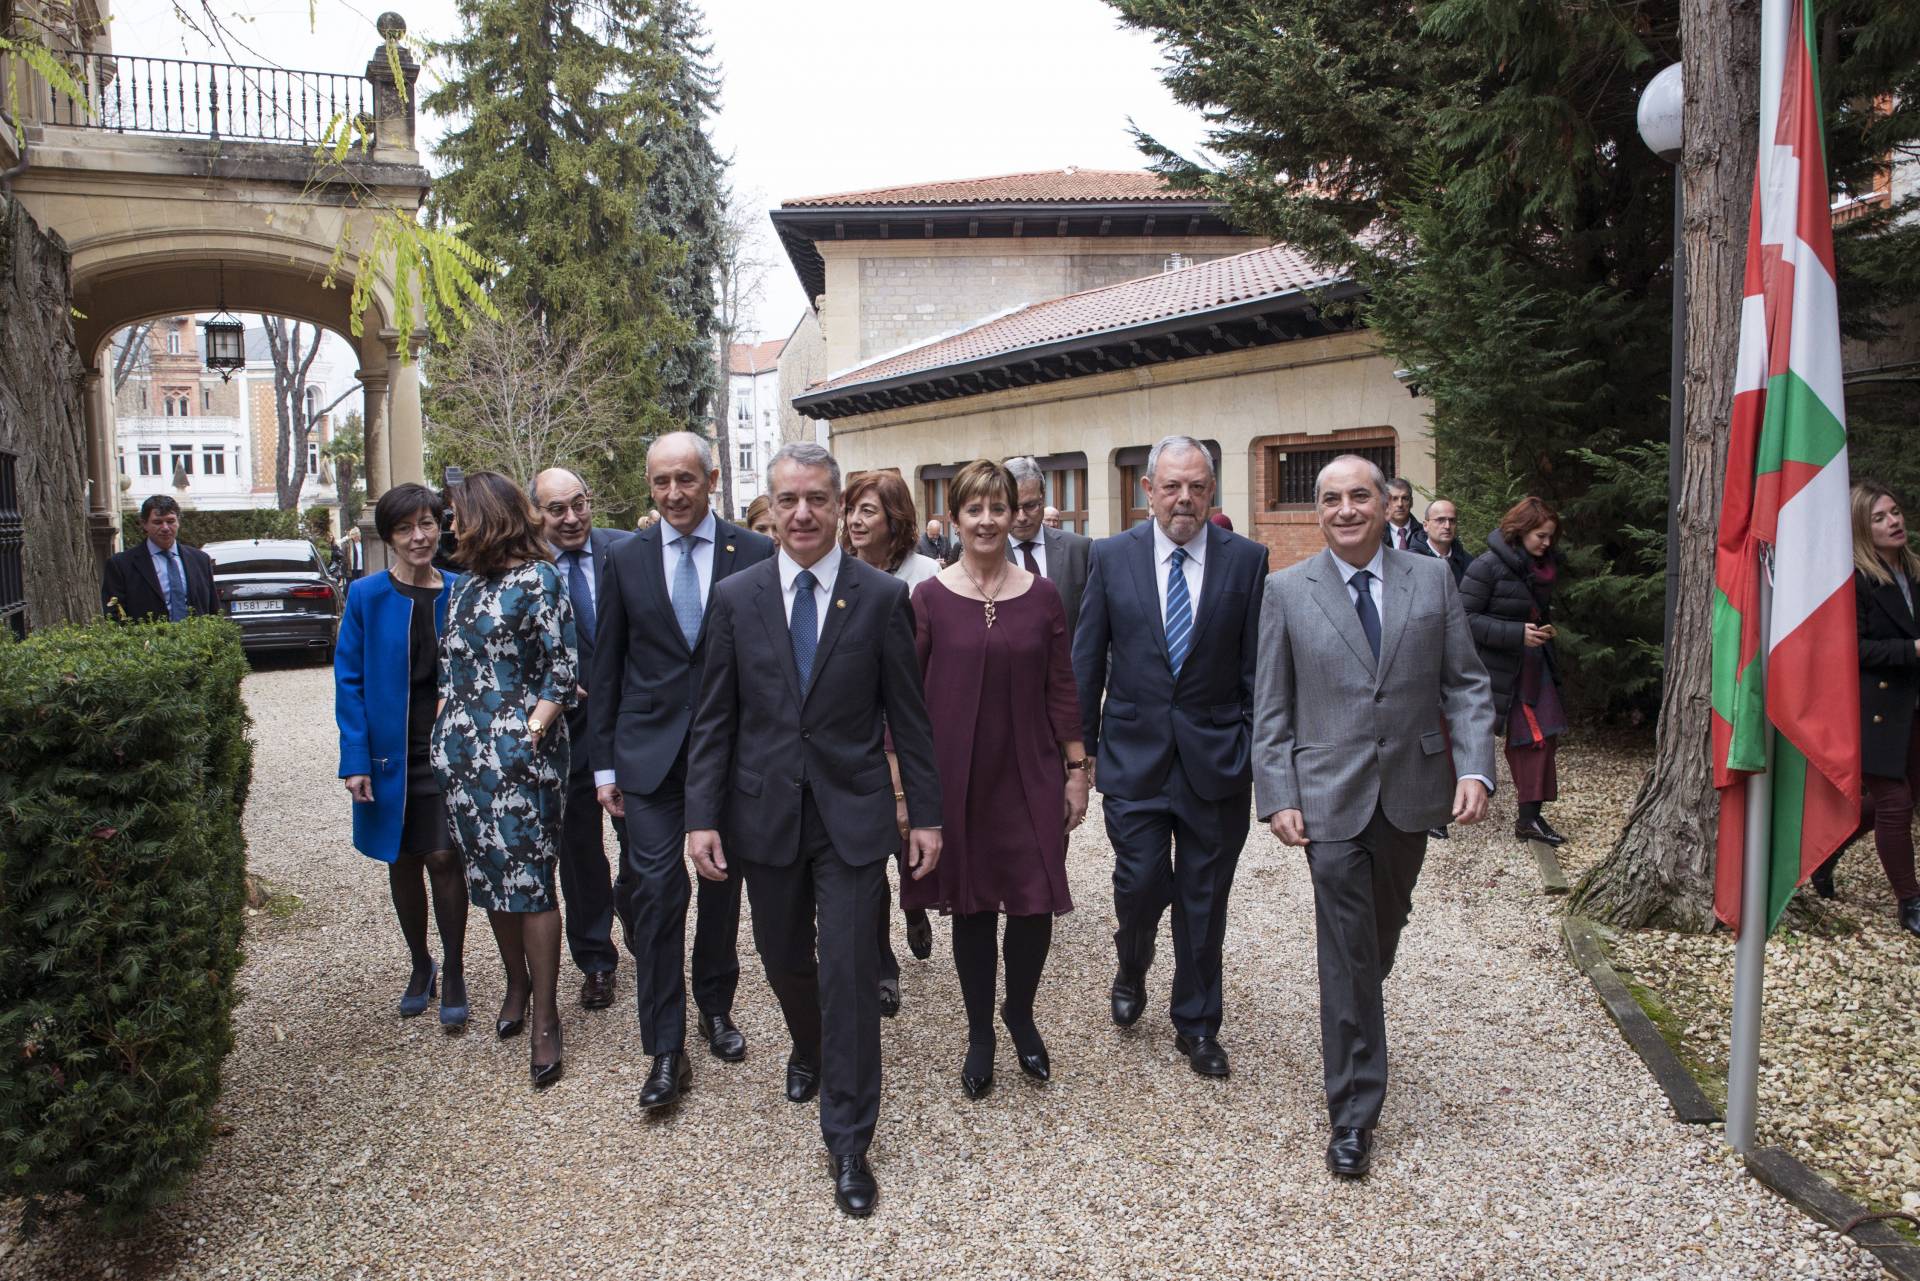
[
  {"x": 976, "y": 1087},
  {"x": 803, "y": 1080},
  {"x": 919, "y": 935},
  {"x": 1203, "y": 1053},
  {"x": 670, "y": 1077},
  {"x": 545, "y": 1074},
  {"x": 889, "y": 998},
  {"x": 1910, "y": 915},
  {"x": 1822, "y": 881},
  {"x": 1129, "y": 998},
  {"x": 1438, "y": 833},
  {"x": 596, "y": 990},
  {"x": 1350, "y": 1153},
  {"x": 854, "y": 1188},
  {"x": 724, "y": 1040},
  {"x": 1552, "y": 834},
  {"x": 1537, "y": 830}
]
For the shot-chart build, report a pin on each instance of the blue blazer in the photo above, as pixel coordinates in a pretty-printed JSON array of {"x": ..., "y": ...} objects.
[
  {"x": 370, "y": 697},
  {"x": 1120, "y": 653}
]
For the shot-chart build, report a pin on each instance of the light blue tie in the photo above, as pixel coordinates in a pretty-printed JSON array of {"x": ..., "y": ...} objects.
[
  {"x": 176, "y": 589},
  {"x": 686, "y": 590},
  {"x": 1179, "y": 611},
  {"x": 805, "y": 625}
]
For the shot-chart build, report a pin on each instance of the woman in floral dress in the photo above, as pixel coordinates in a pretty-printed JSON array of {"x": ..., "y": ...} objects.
[{"x": 508, "y": 669}]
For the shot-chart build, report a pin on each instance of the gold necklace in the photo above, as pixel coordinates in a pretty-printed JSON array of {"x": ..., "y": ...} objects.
[{"x": 981, "y": 588}]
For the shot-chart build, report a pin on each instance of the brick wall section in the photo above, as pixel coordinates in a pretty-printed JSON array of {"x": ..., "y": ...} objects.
[{"x": 1294, "y": 535}]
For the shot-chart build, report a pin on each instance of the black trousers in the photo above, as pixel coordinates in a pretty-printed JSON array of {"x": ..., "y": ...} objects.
[
  {"x": 1362, "y": 896},
  {"x": 829, "y": 995},
  {"x": 1177, "y": 849},
  {"x": 586, "y": 883},
  {"x": 653, "y": 895}
]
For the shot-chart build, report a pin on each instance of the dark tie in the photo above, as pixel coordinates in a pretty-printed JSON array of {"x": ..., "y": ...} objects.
[
  {"x": 1026, "y": 557},
  {"x": 1179, "y": 611},
  {"x": 176, "y": 589},
  {"x": 582, "y": 594},
  {"x": 805, "y": 625},
  {"x": 1363, "y": 606}
]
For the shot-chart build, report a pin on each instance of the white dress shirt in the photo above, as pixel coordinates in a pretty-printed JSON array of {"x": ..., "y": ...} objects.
[
  {"x": 1194, "y": 570},
  {"x": 825, "y": 571},
  {"x": 1039, "y": 552},
  {"x": 670, "y": 554}
]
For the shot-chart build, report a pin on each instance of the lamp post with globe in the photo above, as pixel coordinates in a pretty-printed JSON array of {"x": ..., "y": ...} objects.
[{"x": 1659, "y": 119}]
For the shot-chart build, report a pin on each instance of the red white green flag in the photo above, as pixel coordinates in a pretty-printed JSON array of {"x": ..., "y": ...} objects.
[{"x": 1783, "y": 571}]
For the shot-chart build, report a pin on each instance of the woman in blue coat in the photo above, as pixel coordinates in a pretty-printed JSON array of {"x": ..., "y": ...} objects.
[{"x": 386, "y": 670}]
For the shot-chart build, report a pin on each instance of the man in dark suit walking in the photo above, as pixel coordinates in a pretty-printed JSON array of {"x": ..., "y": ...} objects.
[
  {"x": 1403, "y": 527},
  {"x": 810, "y": 660},
  {"x": 162, "y": 577},
  {"x": 1368, "y": 673},
  {"x": 933, "y": 543},
  {"x": 586, "y": 887},
  {"x": 648, "y": 654},
  {"x": 1168, "y": 633},
  {"x": 1440, "y": 537},
  {"x": 1057, "y": 555}
]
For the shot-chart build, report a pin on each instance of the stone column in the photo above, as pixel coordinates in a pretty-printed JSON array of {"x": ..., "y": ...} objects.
[
  {"x": 103, "y": 478},
  {"x": 377, "y": 467},
  {"x": 393, "y": 100},
  {"x": 406, "y": 450}
]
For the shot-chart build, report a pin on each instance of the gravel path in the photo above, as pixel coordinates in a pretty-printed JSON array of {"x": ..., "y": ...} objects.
[{"x": 1522, "y": 1137}]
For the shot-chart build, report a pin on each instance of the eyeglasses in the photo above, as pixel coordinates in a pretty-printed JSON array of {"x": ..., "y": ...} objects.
[{"x": 579, "y": 507}]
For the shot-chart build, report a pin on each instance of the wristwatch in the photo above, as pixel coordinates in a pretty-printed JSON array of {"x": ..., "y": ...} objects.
[
  {"x": 536, "y": 726},
  {"x": 1084, "y": 763}
]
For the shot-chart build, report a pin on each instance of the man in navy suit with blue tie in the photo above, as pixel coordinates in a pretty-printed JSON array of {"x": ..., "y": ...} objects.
[
  {"x": 648, "y": 656},
  {"x": 162, "y": 577},
  {"x": 1168, "y": 634}
]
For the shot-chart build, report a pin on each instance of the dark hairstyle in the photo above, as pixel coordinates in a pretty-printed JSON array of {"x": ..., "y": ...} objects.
[
  {"x": 981, "y": 478},
  {"x": 165, "y": 504},
  {"x": 1524, "y": 517},
  {"x": 896, "y": 501},
  {"x": 498, "y": 528},
  {"x": 403, "y": 502}
]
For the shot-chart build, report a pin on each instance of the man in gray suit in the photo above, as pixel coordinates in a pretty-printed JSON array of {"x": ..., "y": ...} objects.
[
  {"x": 1057, "y": 555},
  {"x": 1372, "y": 723}
]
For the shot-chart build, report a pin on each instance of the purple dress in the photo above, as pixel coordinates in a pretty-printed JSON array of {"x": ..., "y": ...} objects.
[{"x": 1002, "y": 700}]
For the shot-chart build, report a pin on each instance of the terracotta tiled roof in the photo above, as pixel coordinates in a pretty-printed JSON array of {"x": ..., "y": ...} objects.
[
  {"x": 1223, "y": 282},
  {"x": 1051, "y": 186},
  {"x": 754, "y": 357}
]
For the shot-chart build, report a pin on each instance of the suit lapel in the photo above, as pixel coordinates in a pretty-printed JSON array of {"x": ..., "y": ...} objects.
[
  {"x": 1213, "y": 581},
  {"x": 653, "y": 580},
  {"x": 773, "y": 616},
  {"x": 1895, "y": 606},
  {"x": 725, "y": 540},
  {"x": 1140, "y": 558},
  {"x": 844, "y": 585},
  {"x": 143, "y": 557},
  {"x": 1330, "y": 594},
  {"x": 1399, "y": 600}
]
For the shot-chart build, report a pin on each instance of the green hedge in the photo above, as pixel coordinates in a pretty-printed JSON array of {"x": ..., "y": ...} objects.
[
  {"x": 198, "y": 527},
  {"x": 122, "y": 904}
]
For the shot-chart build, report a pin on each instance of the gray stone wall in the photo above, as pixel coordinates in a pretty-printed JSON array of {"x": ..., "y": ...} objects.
[
  {"x": 41, "y": 419},
  {"x": 803, "y": 362},
  {"x": 908, "y": 300}
]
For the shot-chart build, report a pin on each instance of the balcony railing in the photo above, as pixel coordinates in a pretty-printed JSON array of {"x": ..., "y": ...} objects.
[{"x": 209, "y": 99}]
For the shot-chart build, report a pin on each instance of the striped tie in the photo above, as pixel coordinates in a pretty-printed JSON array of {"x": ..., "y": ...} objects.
[{"x": 1179, "y": 611}]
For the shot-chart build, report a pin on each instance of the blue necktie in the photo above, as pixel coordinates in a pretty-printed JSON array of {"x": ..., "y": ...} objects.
[
  {"x": 1179, "y": 611},
  {"x": 176, "y": 589},
  {"x": 577, "y": 587},
  {"x": 805, "y": 625},
  {"x": 686, "y": 590},
  {"x": 1363, "y": 606}
]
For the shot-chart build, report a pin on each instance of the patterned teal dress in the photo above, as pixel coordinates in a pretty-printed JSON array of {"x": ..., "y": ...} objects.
[{"x": 510, "y": 642}]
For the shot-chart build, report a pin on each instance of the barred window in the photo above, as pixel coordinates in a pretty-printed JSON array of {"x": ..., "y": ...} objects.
[{"x": 1291, "y": 471}]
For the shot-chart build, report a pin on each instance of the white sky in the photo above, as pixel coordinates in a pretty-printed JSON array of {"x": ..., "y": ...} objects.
[{"x": 822, "y": 96}]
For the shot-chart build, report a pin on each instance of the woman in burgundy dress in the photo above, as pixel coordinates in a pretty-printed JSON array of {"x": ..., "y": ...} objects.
[{"x": 995, "y": 656}]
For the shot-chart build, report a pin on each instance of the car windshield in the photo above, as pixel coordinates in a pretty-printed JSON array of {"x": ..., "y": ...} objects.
[{"x": 262, "y": 560}]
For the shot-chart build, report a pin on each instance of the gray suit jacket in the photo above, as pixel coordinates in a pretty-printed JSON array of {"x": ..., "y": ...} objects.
[
  {"x": 1067, "y": 556},
  {"x": 1334, "y": 732}
]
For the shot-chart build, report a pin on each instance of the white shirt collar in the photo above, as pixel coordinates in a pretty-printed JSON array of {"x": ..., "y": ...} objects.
[
  {"x": 825, "y": 570},
  {"x": 1163, "y": 546},
  {"x": 1377, "y": 566},
  {"x": 706, "y": 529}
]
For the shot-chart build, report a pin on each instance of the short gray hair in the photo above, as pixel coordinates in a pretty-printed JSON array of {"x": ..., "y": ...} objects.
[
  {"x": 1023, "y": 469},
  {"x": 1177, "y": 442},
  {"x": 1399, "y": 485},
  {"x": 1379, "y": 477},
  {"x": 702, "y": 448},
  {"x": 804, "y": 454}
]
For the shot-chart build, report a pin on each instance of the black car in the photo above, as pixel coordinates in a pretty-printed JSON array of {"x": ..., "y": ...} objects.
[{"x": 279, "y": 591}]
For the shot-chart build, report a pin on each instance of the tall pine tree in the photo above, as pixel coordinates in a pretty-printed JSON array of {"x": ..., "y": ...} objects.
[{"x": 547, "y": 166}]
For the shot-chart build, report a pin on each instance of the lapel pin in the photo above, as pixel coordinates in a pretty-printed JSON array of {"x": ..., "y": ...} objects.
[
  {"x": 729, "y": 546},
  {"x": 840, "y": 604}
]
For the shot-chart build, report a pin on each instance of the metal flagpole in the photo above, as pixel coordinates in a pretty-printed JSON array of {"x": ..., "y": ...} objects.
[{"x": 1750, "y": 949}]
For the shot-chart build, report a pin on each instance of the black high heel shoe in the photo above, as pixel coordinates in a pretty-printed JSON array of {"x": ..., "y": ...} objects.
[
  {"x": 1029, "y": 1049},
  {"x": 978, "y": 1083},
  {"x": 505, "y": 1027},
  {"x": 545, "y": 1074}
]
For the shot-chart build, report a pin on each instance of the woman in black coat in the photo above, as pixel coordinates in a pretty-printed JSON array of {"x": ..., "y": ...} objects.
[
  {"x": 1885, "y": 573},
  {"x": 1508, "y": 595}
]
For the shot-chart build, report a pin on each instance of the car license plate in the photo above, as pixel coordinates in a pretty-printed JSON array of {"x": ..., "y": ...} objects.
[{"x": 258, "y": 606}]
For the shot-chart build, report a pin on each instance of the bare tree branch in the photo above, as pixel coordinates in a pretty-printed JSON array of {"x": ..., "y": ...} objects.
[
  {"x": 739, "y": 278},
  {"x": 132, "y": 354}
]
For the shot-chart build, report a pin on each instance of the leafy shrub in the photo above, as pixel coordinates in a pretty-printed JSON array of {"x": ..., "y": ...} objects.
[
  {"x": 198, "y": 527},
  {"x": 122, "y": 897}
]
